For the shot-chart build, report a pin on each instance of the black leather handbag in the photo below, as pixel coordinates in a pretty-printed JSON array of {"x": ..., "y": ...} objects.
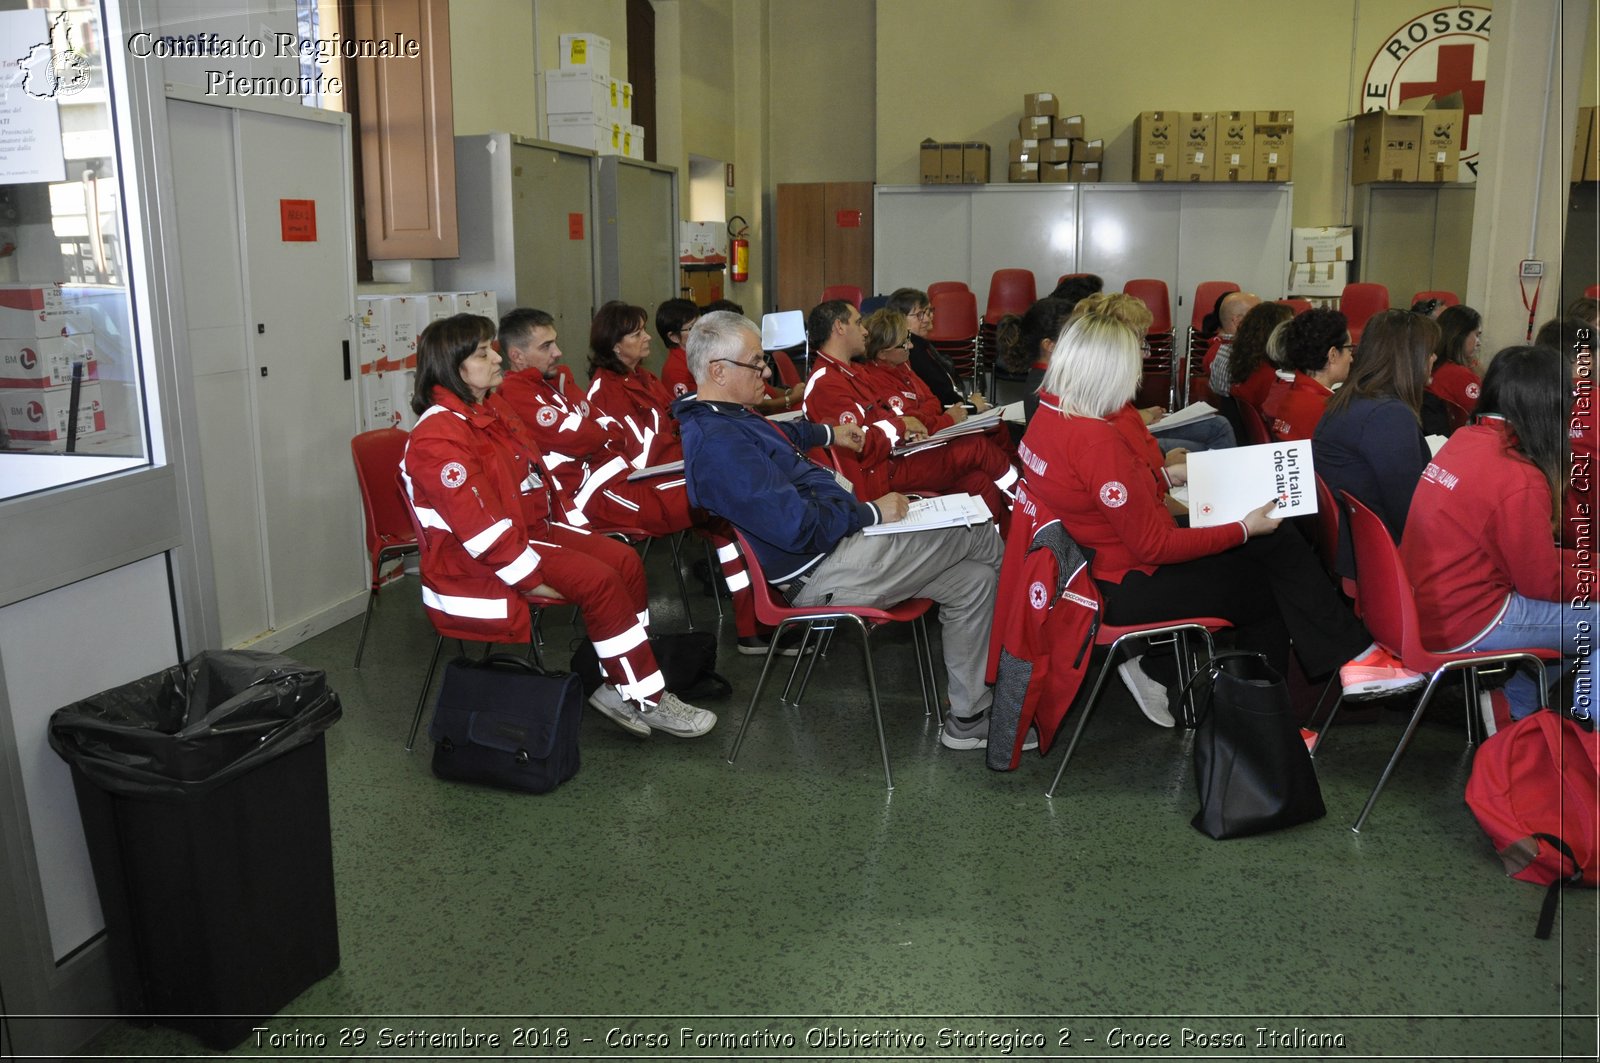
[
  {"x": 500, "y": 721},
  {"x": 1250, "y": 762}
]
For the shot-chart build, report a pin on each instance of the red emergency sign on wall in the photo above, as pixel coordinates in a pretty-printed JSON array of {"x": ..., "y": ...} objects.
[
  {"x": 848, "y": 219},
  {"x": 574, "y": 226},
  {"x": 299, "y": 218}
]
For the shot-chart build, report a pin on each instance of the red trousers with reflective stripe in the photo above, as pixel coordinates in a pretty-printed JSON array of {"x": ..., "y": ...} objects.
[{"x": 604, "y": 579}]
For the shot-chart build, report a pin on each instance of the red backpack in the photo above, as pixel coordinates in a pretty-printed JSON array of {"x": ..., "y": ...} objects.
[{"x": 1535, "y": 788}]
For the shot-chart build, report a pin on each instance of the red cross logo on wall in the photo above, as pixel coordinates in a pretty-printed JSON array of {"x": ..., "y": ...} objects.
[{"x": 1453, "y": 74}]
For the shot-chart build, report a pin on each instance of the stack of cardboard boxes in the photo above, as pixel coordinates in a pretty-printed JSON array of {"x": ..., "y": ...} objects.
[
  {"x": 43, "y": 332},
  {"x": 387, "y": 327},
  {"x": 1419, "y": 142},
  {"x": 1051, "y": 147},
  {"x": 584, "y": 105},
  {"x": 1320, "y": 261},
  {"x": 960, "y": 163},
  {"x": 1586, "y": 146},
  {"x": 1223, "y": 146}
]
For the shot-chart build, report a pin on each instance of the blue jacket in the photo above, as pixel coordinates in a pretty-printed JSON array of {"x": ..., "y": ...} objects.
[
  {"x": 754, "y": 473},
  {"x": 1374, "y": 449}
]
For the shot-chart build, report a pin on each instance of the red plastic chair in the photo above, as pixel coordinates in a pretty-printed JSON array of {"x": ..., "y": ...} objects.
[
  {"x": 947, "y": 286},
  {"x": 1206, "y": 294},
  {"x": 1174, "y": 631},
  {"x": 1298, "y": 305},
  {"x": 1011, "y": 291},
  {"x": 1255, "y": 425},
  {"x": 850, "y": 293},
  {"x": 1444, "y": 298},
  {"x": 536, "y": 605},
  {"x": 1389, "y": 610},
  {"x": 817, "y": 618},
  {"x": 1457, "y": 415},
  {"x": 1592, "y": 292},
  {"x": 955, "y": 328},
  {"x": 788, "y": 375},
  {"x": 390, "y": 534},
  {"x": 1359, "y": 302},
  {"x": 1153, "y": 294}
]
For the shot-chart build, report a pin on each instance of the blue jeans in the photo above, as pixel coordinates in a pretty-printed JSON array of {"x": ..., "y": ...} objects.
[
  {"x": 1208, "y": 433},
  {"x": 1533, "y": 624}
]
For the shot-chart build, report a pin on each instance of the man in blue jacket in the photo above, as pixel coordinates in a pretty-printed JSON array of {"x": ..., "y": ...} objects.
[{"x": 805, "y": 526}]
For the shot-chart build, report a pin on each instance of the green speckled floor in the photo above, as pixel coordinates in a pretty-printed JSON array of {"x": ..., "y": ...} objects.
[{"x": 664, "y": 882}]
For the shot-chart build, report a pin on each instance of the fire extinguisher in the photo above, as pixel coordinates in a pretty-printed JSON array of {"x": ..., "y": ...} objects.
[{"x": 738, "y": 250}]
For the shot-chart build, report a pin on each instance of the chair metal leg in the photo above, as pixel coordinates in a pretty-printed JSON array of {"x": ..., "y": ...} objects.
[
  {"x": 716, "y": 568},
  {"x": 755, "y": 695},
  {"x": 1469, "y": 683},
  {"x": 1327, "y": 725},
  {"x": 927, "y": 663},
  {"x": 1083, "y": 715},
  {"x": 824, "y": 639},
  {"x": 1400, "y": 748},
  {"x": 422, "y": 698},
  {"x": 917, "y": 635},
  {"x": 677, "y": 571},
  {"x": 800, "y": 658},
  {"x": 361, "y": 644},
  {"x": 872, "y": 690}
]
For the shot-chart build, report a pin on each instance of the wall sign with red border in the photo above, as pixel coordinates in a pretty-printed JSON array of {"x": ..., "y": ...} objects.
[
  {"x": 1439, "y": 52},
  {"x": 299, "y": 220}
]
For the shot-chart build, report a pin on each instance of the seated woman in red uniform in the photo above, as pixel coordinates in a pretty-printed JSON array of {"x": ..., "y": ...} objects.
[
  {"x": 1084, "y": 470},
  {"x": 622, "y": 388},
  {"x": 1250, "y": 371},
  {"x": 674, "y": 319},
  {"x": 1318, "y": 350},
  {"x": 1455, "y": 372},
  {"x": 472, "y": 475},
  {"x": 1479, "y": 545}
]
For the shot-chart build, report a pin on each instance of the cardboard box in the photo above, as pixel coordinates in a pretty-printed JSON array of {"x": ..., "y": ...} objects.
[
  {"x": 1198, "y": 130},
  {"x": 1035, "y": 104},
  {"x": 949, "y": 164},
  {"x": 1056, "y": 149},
  {"x": 586, "y": 51},
  {"x": 1024, "y": 172},
  {"x": 1088, "y": 151},
  {"x": 1591, "y": 162},
  {"x": 1328, "y": 243},
  {"x": 1021, "y": 150},
  {"x": 1318, "y": 278},
  {"x": 46, "y": 361},
  {"x": 1236, "y": 146},
  {"x": 1420, "y": 141},
  {"x": 974, "y": 163},
  {"x": 932, "y": 165},
  {"x": 32, "y": 310},
  {"x": 702, "y": 242},
  {"x": 600, "y": 135},
  {"x": 372, "y": 331},
  {"x": 576, "y": 92},
  {"x": 483, "y": 304},
  {"x": 1155, "y": 155},
  {"x": 1070, "y": 127},
  {"x": 378, "y": 406},
  {"x": 1274, "y": 150},
  {"x": 1036, "y": 127},
  {"x": 1055, "y": 173},
  {"x": 1439, "y": 156},
  {"x": 39, "y": 415},
  {"x": 408, "y": 315},
  {"x": 1581, "y": 147},
  {"x": 1083, "y": 171}
]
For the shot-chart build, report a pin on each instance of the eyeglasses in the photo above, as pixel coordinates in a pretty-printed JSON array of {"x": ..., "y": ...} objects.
[
  {"x": 760, "y": 367},
  {"x": 926, "y": 311},
  {"x": 1347, "y": 346}
]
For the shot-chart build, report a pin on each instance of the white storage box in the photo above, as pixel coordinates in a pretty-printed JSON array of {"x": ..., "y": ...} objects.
[
  {"x": 586, "y": 51},
  {"x": 582, "y": 91},
  {"x": 46, "y": 361},
  {"x": 581, "y": 131},
  {"x": 372, "y": 331},
  {"x": 39, "y": 415},
  {"x": 633, "y": 141},
  {"x": 408, "y": 316},
  {"x": 621, "y": 101},
  {"x": 484, "y": 304},
  {"x": 29, "y": 310}
]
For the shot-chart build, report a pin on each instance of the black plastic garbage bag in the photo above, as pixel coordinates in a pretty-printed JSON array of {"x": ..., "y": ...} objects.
[{"x": 183, "y": 731}]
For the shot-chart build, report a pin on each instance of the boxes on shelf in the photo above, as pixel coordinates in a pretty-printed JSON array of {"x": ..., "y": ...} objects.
[
  {"x": 484, "y": 304},
  {"x": 372, "y": 331},
  {"x": 1328, "y": 243},
  {"x": 1420, "y": 141},
  {"x": 633, "y": 141},
  {"x": 1236, "y": 135},
  {"x": 1041, "y": 104},
  {"x": 1155, "y": 151},
  {"x": 702, "y": 243},
  {"x": 1056, "y": 149},
  {"x": 39, "y": 415},
  {"x": 586, "y": 51},
  {"x": 1036, "y": 127},
  {"x": 1318, "y": 278},
  {"x": 1198, "y": 161},
  {"x": 582, "y": 91},
  {"x": 974, "y": 163},
  {"x": 930, "y": 153},
  {"x": 1439, "y": 158},
  {"x": 1274, "y": 151},
  {"x": 1083, "y": 171},
  {"x": 1021, "y": 150},
  {"x": 621, "y": 101},
  {"x": 46, "y": 361},
  {"x": 1055, "y": 172},
  {"x": 1027, "y": 172},
  {"x": 1088, "y": 151},
  {"x": 1069, "y": 127},
  {"x": 600, "y": 135},
  {"x": 31, "y": 310},
  {"x": 950, "y": 164}
]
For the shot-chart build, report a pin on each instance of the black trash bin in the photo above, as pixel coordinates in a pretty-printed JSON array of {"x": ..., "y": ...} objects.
[{"x": 204, "y": 796}]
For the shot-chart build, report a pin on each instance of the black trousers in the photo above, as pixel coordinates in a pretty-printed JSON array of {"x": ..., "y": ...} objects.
[{"x": 1271, "y": 589}]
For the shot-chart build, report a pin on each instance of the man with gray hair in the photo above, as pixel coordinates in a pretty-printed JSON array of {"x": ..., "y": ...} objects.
[{"x": 805, "y": 527}]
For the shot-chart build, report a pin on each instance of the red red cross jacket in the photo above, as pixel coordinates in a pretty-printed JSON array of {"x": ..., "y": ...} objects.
[
  {"x": 638, "y": 401},
  {"x": 903, "y": 393},
  {"x": 1294, "y": 406},
  {"x": 473, "y": 480},
  {"x": 583, "y": 450},
  {"x": 1457, "y": 384}
]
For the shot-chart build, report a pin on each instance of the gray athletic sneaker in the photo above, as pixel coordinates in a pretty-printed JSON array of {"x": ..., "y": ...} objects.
[
  {"x": 1149, "y": 694},
  {"x": 974, "y": 733},
  {"x": 678, "y": 718},
  {"x": 624, "y": 713}
]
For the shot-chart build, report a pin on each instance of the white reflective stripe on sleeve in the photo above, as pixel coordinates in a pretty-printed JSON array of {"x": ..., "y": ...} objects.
[
  {"x": 572, "y": 422},
  {"x": 644, "y": 617},
  {"x": 1005, "y": 482},
  {"x": 575, "y": 519},
  {"x": 554, "y": 461},
  {"x": 667, "y": 485},
  {"x": 488, "y": 537},
  {"x": 890, "y": 429},
  {"x": 738, "y": 581},
  {"x": 429, "y": 518},
  {"x": 619, "y": 500},
  {"x": 532, "y": 483},
  {"x": 455, "y": 605},
  {"x": 617, "y": 645},
  {"x": 519, "y": 569},
  {"x": 728, "y": 553},
  {"x": 598, "y": 479}
]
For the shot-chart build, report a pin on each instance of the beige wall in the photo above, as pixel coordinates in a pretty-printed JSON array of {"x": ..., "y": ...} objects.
[
  {"x": 491, "y": 67},
  {"x": 822, "y": 73}
]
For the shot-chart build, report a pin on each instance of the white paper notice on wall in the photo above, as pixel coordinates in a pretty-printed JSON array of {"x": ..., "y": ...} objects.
[
  {"x": 37, "y": 68},
  {"x": 1224, "y": 485}
]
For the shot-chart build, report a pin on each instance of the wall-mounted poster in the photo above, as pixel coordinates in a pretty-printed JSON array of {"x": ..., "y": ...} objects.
[{"x": 37, "y": 65}]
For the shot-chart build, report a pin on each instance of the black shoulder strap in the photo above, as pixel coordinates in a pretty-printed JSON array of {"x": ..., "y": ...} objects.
[{"x": 1547, "y": 913}]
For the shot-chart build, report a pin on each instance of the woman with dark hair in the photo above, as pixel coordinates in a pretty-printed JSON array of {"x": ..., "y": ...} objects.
[
  {"x": 1455, "y": 374},
  {"x": 622, "y": 388},
  {"x": 936, "y": 370},
  {"x": 1250, "y": 371},
  {"x": 1479, "y": 545},
  {"x": 1025, "y": 343},
  {"x": 472, "y": 475},
  {"x": 1317, "y": 346},
  {"x": 1080, "y": 468},
  {"x": 1369, "y": 441}
]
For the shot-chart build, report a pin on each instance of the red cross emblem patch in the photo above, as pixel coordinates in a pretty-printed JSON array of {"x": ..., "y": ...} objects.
[
  {"x": 1113, "y": 493},
  {"x": 1037, "y": 595},
  {"x": 896, "y": 405},
  {"x": 848, "y": 417},
  {"x": 1473, "y": 390},
  {"x": 546, "y": 416},
  {"x": 680, "y": 390},
  {"x": 453, "y": 475}
]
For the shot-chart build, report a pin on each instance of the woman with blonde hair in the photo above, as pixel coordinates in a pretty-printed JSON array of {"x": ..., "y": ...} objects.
[{"x": 1149, "y": 569}]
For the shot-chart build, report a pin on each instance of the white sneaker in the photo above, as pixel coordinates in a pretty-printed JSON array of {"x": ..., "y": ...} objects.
[
  {"x": 678, "y": 718},
  {"x": 622, "y": 712},
  {"x": 1149, "y": 695}
]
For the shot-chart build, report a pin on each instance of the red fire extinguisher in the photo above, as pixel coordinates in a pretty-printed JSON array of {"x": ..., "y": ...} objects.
[{"x": 738, "y": 250}]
